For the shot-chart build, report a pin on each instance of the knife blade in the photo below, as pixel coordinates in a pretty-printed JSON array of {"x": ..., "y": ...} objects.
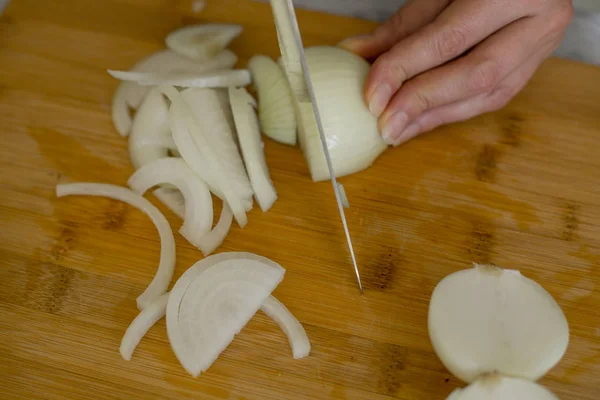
[{"x": 313, "y": 99}]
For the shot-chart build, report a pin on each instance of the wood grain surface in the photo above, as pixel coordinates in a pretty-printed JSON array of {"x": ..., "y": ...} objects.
[{"x": 519, "y": 188}]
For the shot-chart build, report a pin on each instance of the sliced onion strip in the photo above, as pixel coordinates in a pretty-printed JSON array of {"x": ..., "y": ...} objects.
[
  {"x": 252, "y": 147},
  {"x": 219, "y": 79},
  {"x": 209, "y": 242},
  {"x": 174, "y": 171},
  {"x": 292, "y": 328},
  {"x": 142, "y": 324},
  {"x": 166, "y": 266},
  {"x": 202, "y": 41}
]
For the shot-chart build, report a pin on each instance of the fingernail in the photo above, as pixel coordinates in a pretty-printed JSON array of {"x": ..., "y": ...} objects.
[
  {"x": 410, "y": 132},
  {"x": 393, "y": 127},
  {"x": 352, "y": 43},
  {"x": 380, "y": 99}
]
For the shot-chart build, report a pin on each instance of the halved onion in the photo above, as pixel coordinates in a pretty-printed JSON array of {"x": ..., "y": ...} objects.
[
  {"x": 174, "y": 171},
  {"x": 213, "y": 301},
  {"x": 216, "y": 79},
  {"x": 130, "y": 95},
  {"x": 487, "y": 319},
  {"x": 202, "y": 41},
  {"x": 275, "y": 107},
  {"x": 292, "y": 328},
  {"x": 242, "y": 105},
  {"x": 166, "y": 266},
  {"x": 498, "y": 387},
  {"x": 142, "y": 324}
]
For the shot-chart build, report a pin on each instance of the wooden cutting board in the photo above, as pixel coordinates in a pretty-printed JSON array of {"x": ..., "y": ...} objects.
[{"x": 519, "y": 188}]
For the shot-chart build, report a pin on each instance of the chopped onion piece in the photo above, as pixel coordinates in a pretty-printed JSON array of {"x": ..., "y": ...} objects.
[
  {"x": 130, "y": 94},
  {"x": 197, "y": 136},
  {"x": 220, "y": 79},
  {"x": 212, "y": 301},
  {"x": 292, "y": 328},
  {"x": 290, "y": 53},
  {"x": 142, "y": 324},
  {"x": 174, "y": 171},
  {"x": 497, "y": 387},
  {"x": 251, "y": 144},
  {"x": 166, "y": 267},
  {"x": 487, "y": 319},
  {"x": 343, "y": 196},
  {"x": 276, "y": 107},
  {"x": 209, "y": 242},
  {"x": 202, "y": 41}
]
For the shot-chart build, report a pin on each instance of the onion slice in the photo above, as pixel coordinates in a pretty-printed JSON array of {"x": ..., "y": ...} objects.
[
  {"x": 218, "y": 161},
  {"x": 174, "y": 171},
  {"x": 142, "y": 324},
  {"x": 173, "y": 199},
  {"x": 497, "y": 387},
  {"x": 251, "y": 144},
  {"x": 209, "y": 242},
  {"x": 130, "y": 95},
  {"x": 487, "y": 319},
  {"x": 290, "y": 53},
  {"x": 212, "y": 301},
  {"x": 202, "y": 41},
  {"x": 275, "y": 107},
  {"x": 217, "y": 79},
  {"x": 343, "y": 196},
  {"x": 292, "y": 328},
  {"x": 166, "y": 266}
]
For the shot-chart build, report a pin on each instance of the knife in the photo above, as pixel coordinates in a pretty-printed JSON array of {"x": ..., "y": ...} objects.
[{"x": 313, "y": 100}]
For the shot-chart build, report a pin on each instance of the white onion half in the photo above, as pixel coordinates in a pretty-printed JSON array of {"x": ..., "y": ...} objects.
[
  {"x": 212, "y": 301},
  {"x": 292, "y": 328},
  {"x": 497, "y": 387},
  {"x": 130, "y": 95},
  {"x": 487, "y": 319},
  {"x": 166, "y": 266},
  {"x": 351, "y": 131},
  {"x": 202, "y": 41},
  {"x": 242, "y": 105},
  {"x": 276, "y": 104},
  {"x": 174, "y": 171},
  {"x": 142, "y": 324}
]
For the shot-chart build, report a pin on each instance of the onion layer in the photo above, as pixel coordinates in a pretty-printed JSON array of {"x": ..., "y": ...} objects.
[
  {"x": 251, "y": 144},
  {"x": 142, "y": 324},
  {"x": 289, "y": 325},
  {"x": 217, "y": 79},
  {"x": 276, "y": 104},
  {"x": 166, "y": 267},
  {"x": 202, "y": 41},
  {"x": 213, "y": 301}
]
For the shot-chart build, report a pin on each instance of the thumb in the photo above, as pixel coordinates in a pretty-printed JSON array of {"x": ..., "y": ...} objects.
[{"x": 408, "y": 19}]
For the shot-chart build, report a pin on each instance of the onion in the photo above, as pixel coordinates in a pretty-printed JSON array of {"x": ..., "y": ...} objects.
[
  {"x": 166, "y": 266},
  {"x": 213, "y": 301},
  {"x": 174, "y": 171},
  {"x": 289, "y": 325},
  {"x": 129, "y": 94},
  {"x": 242, "y": 105},
  {"x": 142, "y": 324},
  {"x": 290, "y": 53},
  {"x": 343, "y": 196},
  {"x": 496, "y": 387},
  {"x": 276, "y": 107},
  {"x": 173, "y": 199},
  {"x": 487, "y": 320},
  {"x": 202, "y": 41},
  {"x": 217, "y": 79}
]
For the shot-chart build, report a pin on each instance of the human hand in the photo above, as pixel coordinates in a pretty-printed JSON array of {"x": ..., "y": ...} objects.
[{"x": 443, "y": 61}]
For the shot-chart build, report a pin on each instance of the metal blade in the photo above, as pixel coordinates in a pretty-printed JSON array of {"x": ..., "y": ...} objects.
[{"x": 313, "y": 100}]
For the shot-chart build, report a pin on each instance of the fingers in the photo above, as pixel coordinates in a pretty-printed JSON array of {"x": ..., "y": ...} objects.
[
  {"x": 463, "y": 24},
  {"x": 477, "y": 73},
  {"x": 468, "y": 108},
  {"x": 412, "y": 16}
]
